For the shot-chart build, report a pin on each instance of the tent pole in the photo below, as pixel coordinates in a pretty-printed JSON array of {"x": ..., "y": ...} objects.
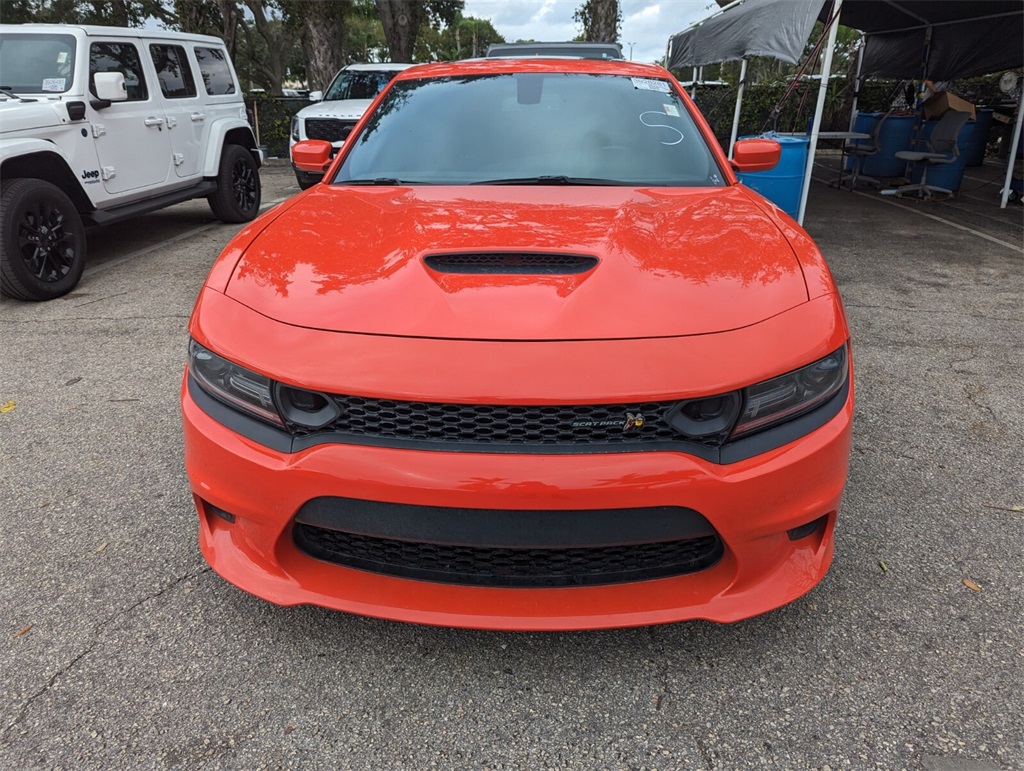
[
  {"x": 856, "y": 80},
  {"x": 826, "y": 71},
  {"x": 1011, "y": 162},
  {"x": 693, "y": 85},
  {"x": 739, "y": 106}
]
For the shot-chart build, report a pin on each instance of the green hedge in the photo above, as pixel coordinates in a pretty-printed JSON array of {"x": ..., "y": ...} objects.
[{"x": 271, "y": 118}]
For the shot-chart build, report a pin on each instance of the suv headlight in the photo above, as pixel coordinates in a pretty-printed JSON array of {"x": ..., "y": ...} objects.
[{"x": 295, "y": 128}]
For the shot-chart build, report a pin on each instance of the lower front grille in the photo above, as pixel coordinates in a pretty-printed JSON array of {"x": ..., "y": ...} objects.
[{"x": 508, "y": 567}]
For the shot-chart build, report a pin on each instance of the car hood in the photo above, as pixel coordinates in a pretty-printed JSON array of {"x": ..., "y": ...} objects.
[
  {"x": 669, "y": 262},
  {"x": 346, "y": 109},
  {"x": 16, "y": 115}
]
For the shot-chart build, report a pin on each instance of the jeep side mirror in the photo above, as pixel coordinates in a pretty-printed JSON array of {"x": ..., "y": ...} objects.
[
  {"x": 110, "y": 86},
  {"x": 316, "y": 96}
]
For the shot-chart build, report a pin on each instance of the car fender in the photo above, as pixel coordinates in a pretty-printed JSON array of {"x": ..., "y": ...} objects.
[
  {"x": 46, "y": 160},
  {"x": 238, "y": 131}
]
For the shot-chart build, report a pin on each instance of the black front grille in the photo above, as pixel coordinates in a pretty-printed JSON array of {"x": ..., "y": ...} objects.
[
  {"x": 511, "y": 263},
  {"x": 505, "y": 567},
  {"x": 330, "y": 129},
  {"x": 520, "y": 425}
]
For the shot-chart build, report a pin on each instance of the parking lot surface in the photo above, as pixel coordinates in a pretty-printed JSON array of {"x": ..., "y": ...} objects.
[{"x": 120, "y": 648}]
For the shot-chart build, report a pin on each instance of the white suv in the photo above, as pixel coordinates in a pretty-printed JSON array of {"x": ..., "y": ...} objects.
[
  {"x": 346, "y": 99},
  {"x": 98, "y": 124}
]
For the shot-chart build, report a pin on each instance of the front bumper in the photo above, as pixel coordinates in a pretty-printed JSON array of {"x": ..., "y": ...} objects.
[{"x": 751, "y": 504}]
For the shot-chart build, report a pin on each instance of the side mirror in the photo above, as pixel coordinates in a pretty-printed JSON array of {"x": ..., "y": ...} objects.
[
  {"x": 755, "y": 155},
  {"x": 312, "y": 155},
  {"x": 316, "y": 96},
  {"x": 110, "y": 86}
]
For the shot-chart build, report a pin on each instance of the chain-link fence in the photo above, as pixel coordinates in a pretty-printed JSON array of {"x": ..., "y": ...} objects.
[{"x": 271, "y": 119}]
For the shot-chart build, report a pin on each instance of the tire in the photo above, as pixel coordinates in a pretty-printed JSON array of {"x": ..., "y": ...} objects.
[
  {"x": 238, "y": 186},
  {"x": 307, "y": 180},
  {"x": 42, "y": 241}
]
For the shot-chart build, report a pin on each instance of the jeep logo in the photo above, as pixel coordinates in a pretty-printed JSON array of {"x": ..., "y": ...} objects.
[{"x": 94, "y": 174}]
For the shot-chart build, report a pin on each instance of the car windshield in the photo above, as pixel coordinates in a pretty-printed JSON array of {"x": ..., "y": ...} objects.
[
  {"x": 357, "y": 84},
  {"x": 531, "y": 128},
  {"x": 37, "y": 64}
]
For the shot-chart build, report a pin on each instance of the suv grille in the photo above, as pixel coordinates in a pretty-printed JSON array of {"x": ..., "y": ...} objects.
[
  {"x": 533, "y": 567},
  {"x": 331, "y": 129},
  {"x": 522, "y": 425}
]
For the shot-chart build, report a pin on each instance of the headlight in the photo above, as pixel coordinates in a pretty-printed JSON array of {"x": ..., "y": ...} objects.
[
  {"x": 715, "y": 419},
  {"x": 234, "y": 385},
  {"x": 788, "y": 396},
  {"x": 295, "y": 128},
  {"x": 249, "y": 392}
]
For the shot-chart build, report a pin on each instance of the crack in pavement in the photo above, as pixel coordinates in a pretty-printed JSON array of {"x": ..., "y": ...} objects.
[{"x": 93, "y": 642}]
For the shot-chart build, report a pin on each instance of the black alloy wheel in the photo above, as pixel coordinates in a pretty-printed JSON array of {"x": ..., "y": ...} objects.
[
  {"x": 238, "y": 186},
  {"x": 42, "y": 248}
]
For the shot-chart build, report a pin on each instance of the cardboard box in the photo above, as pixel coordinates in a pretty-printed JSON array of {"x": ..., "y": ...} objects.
[{"x": 936, "y": 105}]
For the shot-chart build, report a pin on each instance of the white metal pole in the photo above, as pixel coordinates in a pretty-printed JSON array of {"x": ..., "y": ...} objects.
[
  {"x": 1011, "y": 162},
  {"x": 856, "y": 80},
  {"x": 826, "y": 71},
  {"x": 739, "y": 106},
  {"x": 693, "y": 85}
]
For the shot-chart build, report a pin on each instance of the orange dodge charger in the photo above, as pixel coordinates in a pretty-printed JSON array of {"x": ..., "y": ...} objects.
[{"x": 529, "y": 357}]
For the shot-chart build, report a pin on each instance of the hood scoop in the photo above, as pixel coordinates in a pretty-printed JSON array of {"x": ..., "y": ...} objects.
[{"x": 511, "y": 263}]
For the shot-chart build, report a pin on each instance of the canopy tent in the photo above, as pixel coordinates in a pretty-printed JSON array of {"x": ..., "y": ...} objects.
[{"x": 903, "y": 38}]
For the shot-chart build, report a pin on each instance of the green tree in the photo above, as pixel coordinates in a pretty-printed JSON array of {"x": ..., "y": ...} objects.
[
  {"x": 118, "y": 13},
  {"x": 465, "y": 38}
]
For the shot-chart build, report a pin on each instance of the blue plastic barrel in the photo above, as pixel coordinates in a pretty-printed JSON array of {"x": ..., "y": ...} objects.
[
  {"x": 897, "y": 134},
  {"x": 782, "y": 185},
  {"x": 947, "y": 175},
  {"x": 974, "y": 155}
]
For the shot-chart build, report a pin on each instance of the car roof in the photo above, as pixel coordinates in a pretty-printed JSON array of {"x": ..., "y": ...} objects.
[
  {"x": 538, "y": 64},
  {"x": 570, "y": 48},
  {"x": 96, "y": 30},
  {"x": 378, "y": 66}
]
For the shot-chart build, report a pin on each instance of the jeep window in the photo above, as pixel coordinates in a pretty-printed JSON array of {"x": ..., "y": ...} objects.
[
  {"x": 213, "y": 66},
  {"x": 119, "y": 57},
  {"x": 173, "y": 71},
  {"x": 357, "y": 84},
  {"x": 532, "y": 128},
  {"x": 37, "y": 64}
]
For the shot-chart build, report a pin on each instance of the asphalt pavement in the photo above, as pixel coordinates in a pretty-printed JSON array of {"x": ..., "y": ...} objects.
[{"x": 119, "y": 647}]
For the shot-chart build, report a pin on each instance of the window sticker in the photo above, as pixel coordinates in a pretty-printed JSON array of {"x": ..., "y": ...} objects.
[
  {"x": 650, "y": 84},
  {"x": 671, "y": 109},
  {"x": 62, "y": 57},
  {"x": 54, "y": 84}
]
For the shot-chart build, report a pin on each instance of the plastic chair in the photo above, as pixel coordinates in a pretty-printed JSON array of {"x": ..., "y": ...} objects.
[
  {"x": 865, "y": 148},
  {"x": 942, "y": 149}
]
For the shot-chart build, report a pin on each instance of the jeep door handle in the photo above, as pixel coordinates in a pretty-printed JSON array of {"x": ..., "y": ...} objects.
[
  {"x": 197, "y": 117},
  {"x": 154, "y": 121}
]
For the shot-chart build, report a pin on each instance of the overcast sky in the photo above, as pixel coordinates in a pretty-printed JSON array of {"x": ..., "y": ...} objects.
[{"x": 646, "y": 24}]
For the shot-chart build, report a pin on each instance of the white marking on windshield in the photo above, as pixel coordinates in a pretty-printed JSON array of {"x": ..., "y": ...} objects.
[{"x": 661, "y": 125}]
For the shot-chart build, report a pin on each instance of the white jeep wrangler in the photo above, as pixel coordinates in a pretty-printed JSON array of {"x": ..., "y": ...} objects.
[{"x": 98, "y": 124}]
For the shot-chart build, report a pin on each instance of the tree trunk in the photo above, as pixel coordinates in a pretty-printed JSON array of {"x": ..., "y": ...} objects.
[
  {"x": 229, "y": 31},
  {"x": 324, "y": 22},
  {"x": 600, "y": 20},
  {"x": 401, "y": 21}
]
